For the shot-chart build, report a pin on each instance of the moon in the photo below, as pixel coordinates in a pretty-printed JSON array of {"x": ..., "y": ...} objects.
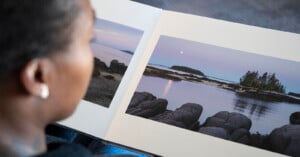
[{"x": 181, "y": 52}]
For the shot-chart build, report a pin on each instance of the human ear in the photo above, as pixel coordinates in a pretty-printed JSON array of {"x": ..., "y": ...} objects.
[{"x": 33, "y": 78}]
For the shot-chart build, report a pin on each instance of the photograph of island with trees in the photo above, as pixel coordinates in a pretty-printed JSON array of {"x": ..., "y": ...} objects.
[
  {"x": 113, "y": 46},
  {"x": 230, "y": 94}
]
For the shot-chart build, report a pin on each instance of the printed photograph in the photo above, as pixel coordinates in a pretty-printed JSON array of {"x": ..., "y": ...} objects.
[
  {"x": 230, "y": 94},
  {"x": 113, "y": 47}
]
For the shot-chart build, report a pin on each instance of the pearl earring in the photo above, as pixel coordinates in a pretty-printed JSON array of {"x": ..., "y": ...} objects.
[{"x": 44, "y": 91}]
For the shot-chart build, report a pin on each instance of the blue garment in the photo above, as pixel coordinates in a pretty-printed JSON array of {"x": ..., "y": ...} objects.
[{"x": 72, "y": 150}]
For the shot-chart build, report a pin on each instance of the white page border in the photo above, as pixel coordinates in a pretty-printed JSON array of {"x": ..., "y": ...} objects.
[
  {"x": 94, "y": 119},
  {"x": 167, "y": 140}
]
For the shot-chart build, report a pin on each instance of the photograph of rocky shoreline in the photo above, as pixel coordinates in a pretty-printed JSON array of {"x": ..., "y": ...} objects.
[
  {"x": 229, "y": 94},
  {"x": 113, "y": 47}
]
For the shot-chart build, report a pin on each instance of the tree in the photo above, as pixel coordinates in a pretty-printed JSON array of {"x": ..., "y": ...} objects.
[
  {"x": 250, "y": 79},
  {"x": 263, "y": 82},
  {"x": 275, "y": 85}
]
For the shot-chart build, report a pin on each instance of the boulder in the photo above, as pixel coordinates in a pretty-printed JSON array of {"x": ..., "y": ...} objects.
[
  {"x": 229, "y": 121},
  {"x": 285, "y": 140},
  {"x": 185, "y": 117},
  {"x": 98, "y": 66},
  {"x": 139, "y": 97},
  {"x": 117, "y": 67},
  {"x": 241, "y": 135},
  {"x": 146, "y": 105},
  {"x": 215, "y": 131},
  {"x": 295, "y": 118},
  {"x": 188, "y": 113},
  {"x": 149, "y": 108}
]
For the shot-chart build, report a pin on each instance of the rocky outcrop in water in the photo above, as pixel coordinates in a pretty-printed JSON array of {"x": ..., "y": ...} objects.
[
  {"x": 117, "y": 67},
  {"x": 185, "y": 116},
  {"x": 146, "y": 105},
  {"x": 149, "y": 109},
  {"x": 295, "y": 118},
  {"x": 229, "y": 121},
  {"x": 231, "y": 126},
  {"x": 235, "y": 127},
  {"x": 286, "y": 140},
  {"x": 98, "y": 66},
  {"x": 114, "y": 67},
  {"x": 138, "y": 98}
]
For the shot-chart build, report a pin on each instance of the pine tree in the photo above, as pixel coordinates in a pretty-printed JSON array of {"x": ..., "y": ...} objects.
[{"x": 263, "y": 82}]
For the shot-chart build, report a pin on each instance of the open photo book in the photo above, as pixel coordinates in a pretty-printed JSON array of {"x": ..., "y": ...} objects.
[{"x": 176, "y": 84}]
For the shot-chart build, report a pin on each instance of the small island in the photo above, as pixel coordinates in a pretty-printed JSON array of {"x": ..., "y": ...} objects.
[
  {"x": 265, "y": 87},
  {"x": 266, "y": 82},
  {"x": 188, "y": 70}
]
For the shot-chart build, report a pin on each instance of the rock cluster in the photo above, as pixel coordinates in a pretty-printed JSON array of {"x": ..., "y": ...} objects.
[
  {"x": 185, "y": 116},
  {"x": 295, "y": 118},
  {"x": 286, "y": 140},
  {"x": 230, "y": 126},
  {"x": 114, "y": 67},
  {"x": 148, "y": 106},
  {"x": 117, "y": 67}
]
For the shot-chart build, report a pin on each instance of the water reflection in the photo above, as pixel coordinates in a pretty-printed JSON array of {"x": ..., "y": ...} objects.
[
  {"x": 251, "y": 107},
  {"x": 167, "y": 88},
  {"x": 265, "y": 116}
]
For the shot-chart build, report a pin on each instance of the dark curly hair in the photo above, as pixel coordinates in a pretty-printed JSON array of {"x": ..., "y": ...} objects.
[{"x": 34, "y": 28}]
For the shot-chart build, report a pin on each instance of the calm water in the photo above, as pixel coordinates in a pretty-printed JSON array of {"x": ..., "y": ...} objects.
[{"x": 265, "y": 116}]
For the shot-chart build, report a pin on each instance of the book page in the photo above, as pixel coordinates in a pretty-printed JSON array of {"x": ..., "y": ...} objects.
[
  {"x": 120, "y": 35},
  {"x": 207, "y": 87},
  {"x": 278, "y": 15}
]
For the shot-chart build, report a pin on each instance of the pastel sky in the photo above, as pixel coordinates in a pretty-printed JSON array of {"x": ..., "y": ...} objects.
[
  {"x": 116, "y": 36},
  {"x": 224, "y": 63}
]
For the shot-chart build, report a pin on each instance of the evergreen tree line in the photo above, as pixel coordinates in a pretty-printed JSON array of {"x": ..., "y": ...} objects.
[{"x": 262, "y": 82}]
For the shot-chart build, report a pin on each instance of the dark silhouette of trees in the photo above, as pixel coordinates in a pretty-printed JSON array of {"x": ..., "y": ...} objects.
[
  {"x": 264, "y": 82},
  {"x": 187, "y": 69}
]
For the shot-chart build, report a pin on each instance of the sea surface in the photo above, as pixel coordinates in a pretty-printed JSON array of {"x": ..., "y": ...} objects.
[{"x": 265, "y": 116}]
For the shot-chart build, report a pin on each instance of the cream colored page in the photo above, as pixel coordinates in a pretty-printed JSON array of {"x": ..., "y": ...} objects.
[
  {"x": 124, "y": 16},
  {"x": 167, "y": 140}
]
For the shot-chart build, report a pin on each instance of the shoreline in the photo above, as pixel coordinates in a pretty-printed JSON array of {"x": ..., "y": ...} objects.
[
  {"x": 231, "y": 126},
  {"x": 238, "y": 89}
]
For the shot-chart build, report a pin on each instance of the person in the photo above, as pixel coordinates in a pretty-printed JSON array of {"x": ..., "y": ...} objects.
[{"x": 45, "y": 68}]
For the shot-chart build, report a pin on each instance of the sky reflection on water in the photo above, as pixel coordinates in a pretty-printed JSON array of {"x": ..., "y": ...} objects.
[{"x": 265, "y": 116}]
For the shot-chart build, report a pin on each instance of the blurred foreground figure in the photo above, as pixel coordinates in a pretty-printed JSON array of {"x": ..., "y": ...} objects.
[{"x": 45, "y": 67}]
